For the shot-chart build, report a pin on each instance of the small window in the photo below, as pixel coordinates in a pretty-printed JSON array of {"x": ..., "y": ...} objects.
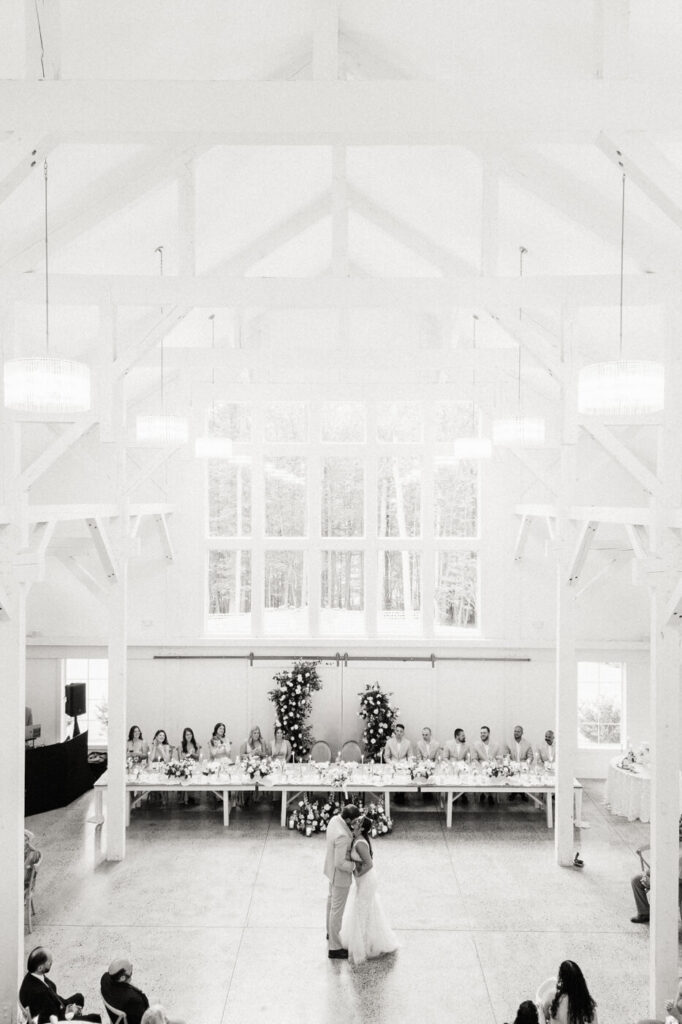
[
  {"x": 456, "y": 590},
  {"x": 343, "y": 421},
  {"x": 229, "y": 590},
  {"x": 342, "y": 592},
  {"x": 229, "y": 498},
  {"x": 400, "y": 583},
  {"x": 343, "y": 498},
  {"x": 601, "y": 703},
  {"x": 286, "y": 592},
  {"x": 230, "y": 419},
  {"x": 399, "y": 497}
]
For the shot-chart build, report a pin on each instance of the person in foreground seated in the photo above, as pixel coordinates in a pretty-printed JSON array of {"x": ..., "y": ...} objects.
[
  {"x": 160, "y": 749},
  {"x": 427, "y": 748},
  {"x": 136, "y": 746},
  {"x": 397, "y": 748},
  {"x": 38, "y": 993},
  {"x": 641, "y": 884},
  {"x": 484, "y": 750},
  {"x": 219, "y": 746},
  {"x": 547, "y": 750},
  {"x": 255, "y": 744},
  {"x": 673, "y": 1008},
  {"x": 571, "y": 1002},
  {"x": 118, "y": 993}
]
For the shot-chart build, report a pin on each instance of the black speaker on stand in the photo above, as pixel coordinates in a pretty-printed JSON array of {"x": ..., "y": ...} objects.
[{"x": 74, "y": 700}]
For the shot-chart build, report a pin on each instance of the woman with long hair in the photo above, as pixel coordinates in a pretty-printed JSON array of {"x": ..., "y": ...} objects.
[
  {"x": 281, "y": 748},
  {"x": 572, "y": 1002},
  {"x": 160, "y": 748},
  {"x": 136, "y": 746},
  {"x": 188, "y": 746},
  {"x": 255, "y": 744},
  {"x": 365, "y": 932},
  {"x": 219, "y": 746}
]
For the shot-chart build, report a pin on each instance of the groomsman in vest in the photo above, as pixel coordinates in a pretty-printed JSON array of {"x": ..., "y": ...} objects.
[
  {"x": 458, "y": 749},
  {"x": 397, "y": 748},
  {"x": 427, "y": 749},
  {"x": 519, "y": 750},
  {"x": 547, "y": 750},
  {"x": 484, "y": 750}
]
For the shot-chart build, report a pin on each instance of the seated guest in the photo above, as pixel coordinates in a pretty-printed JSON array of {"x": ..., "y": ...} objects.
[
  {"x": 38, "y": 993},
  {"x": 484, "y": 750},
  {"x": 571, "y": 1002},
  {"x": 641, "y": 885},
  {"x": 527, "y": 1013},
  {"x": 547, "y": 750},
  {"x": 160, "y": 749},
  {"x": 136, "y": 746},
  {"x": 519, "y": 749},
  {"x": 255, "y": 744},
  {"x": 120, "y": 994},
  {"x": 427, "y": 749},
  {"x": 457, "y": 749},
  {"x": 281, "y": 747},
  {"x": 157, "y": 1014},
  {"x": 397, "y": 748},
  {"x": 219, "y": 746},
  {"x": 188, "y": 745}
]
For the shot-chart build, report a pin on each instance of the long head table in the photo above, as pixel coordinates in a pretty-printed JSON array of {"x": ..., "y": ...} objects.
[{"x": 350, "y": 778}]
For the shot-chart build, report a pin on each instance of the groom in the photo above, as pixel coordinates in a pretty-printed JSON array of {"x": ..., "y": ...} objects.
[{"x": 338, "y": 867}]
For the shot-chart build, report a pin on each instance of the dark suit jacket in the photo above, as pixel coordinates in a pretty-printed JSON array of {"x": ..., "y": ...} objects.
[
  {"x": 41, "y": 998},
  {"x": 124, "y": 996}
]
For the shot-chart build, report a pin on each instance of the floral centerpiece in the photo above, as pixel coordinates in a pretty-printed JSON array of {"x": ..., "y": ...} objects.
[
  {"x": 498, "y": 771},
  {"x": 379, "y": 715},
  {"x": 179, "y": 769},
  {"x": 337, "y": 775},
  {"x": 257, "y": 765},
  {"x": 292, "y": 697},
  {"x": 310, "y": 816},
  {"x": 422, "y": 769}
]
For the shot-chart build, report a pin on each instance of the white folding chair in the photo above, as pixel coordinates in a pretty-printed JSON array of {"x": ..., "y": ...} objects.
[{"x": 543, "y": 996}]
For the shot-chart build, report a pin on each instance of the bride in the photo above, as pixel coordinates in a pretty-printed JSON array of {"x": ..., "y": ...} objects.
[{"x": 365, "y": 932}]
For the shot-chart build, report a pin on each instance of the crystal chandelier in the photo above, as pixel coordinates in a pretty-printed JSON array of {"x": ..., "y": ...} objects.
[
  {"x": 209, "y": 447},
  {"x": 519, "y": 432},
  {"x": 161, "y": 430},
  {"x": 473, "y": 446},
  {"x": 46, "y": 384},
  {"x": 624, "y": 387}
]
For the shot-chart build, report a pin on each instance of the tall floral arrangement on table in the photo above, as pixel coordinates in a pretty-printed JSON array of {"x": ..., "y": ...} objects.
[
  {"x": 379, "y": 715},
  {"x": 292, "y": 697}
]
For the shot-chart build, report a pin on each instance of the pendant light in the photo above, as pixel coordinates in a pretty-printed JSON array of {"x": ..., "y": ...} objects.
[
  {"x": 161, "y": 430},
  {"x": 473, "y": 446},
  {"x": 624, "y": 387},
  {"x": 519, "y": 431},
  {"x": 209, "y": 447},
  {"x": 47, "y": 384}
]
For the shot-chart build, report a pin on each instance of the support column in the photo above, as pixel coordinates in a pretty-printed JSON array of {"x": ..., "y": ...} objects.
[
  {"x": 566, "y": 672},
  {"x": 13, "y": 656}
]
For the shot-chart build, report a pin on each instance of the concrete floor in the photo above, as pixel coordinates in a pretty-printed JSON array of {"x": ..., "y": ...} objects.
[{"x": 227, "y": 925}]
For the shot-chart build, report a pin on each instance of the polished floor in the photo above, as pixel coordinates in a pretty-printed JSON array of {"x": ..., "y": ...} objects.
[{"x": 226, "y": 925}]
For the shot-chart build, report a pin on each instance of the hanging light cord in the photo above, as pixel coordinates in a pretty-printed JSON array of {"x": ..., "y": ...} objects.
[
  {"x": 622, "y": 251},
  {"x": 47, "y": 287}
]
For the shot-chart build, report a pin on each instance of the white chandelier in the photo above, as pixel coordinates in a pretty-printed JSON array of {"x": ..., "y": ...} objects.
[
  {"x": 46, "y": 384},
  {"x": 624, "y": 387},
  {"x": 628, "y": 387},
  {"x": 519, "y": 432},
  {"x": 161, "y": 430}
]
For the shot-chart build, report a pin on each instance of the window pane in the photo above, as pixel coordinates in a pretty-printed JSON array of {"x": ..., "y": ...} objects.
[
  {"x": 286, "y": 592},
  {"x": 600, "y": 703},
  {"x": 399, "y": 497},
  {"x": 94, "y": 673},
  {"x": 456, "y": 499},
  {"x": 399, "y": 421},
  {"x": 286, "y": 421},
  {"x": 343, "y": 421},
  {"x": 342, "y": 592},
  {"x": 229, "y": 499},
  {"x": 229, "y": 584},
  {"x": 230, "y": 419},
  {"x": 400, "y": 582},
  {"x": 456, "y": 419},
  {"x": 456, "y": 588},
  {"x": 285, "y": 497},
  {"x": 343, "y": 498}
]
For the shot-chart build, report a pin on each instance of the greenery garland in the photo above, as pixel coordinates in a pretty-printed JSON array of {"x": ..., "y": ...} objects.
[
  {"x": 379, "y": 714},
  {"x": 293, "y": 703}
]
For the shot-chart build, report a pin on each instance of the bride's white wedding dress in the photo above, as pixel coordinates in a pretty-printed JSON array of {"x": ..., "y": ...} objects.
[{"x": 365, "y": 932}]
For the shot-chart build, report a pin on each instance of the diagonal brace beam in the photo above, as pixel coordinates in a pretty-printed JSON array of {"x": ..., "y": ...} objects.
[
  {"x": 585, "y": 538},
  {"x": 103, "y": 547}
]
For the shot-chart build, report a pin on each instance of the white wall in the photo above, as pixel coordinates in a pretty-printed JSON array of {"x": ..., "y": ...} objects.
[{"x": 198, "y": 691}]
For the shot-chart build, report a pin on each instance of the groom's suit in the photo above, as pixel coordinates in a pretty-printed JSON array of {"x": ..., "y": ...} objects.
[{"x": 338, "y": 867}]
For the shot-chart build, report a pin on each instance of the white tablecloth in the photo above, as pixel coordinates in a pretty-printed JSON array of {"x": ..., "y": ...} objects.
[{"x": 629, "y": 793}]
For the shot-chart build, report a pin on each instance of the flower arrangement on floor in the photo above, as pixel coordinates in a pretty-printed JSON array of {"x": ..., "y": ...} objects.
[
  {"x": 310, "y": 816},
  {"x": 292, "y": 698},
  {"x": 179, "y": 769},
  {"x": 422, "y": 769},
  {"x": 255, "y": 765},
  {"x": 379, "y": 715}
]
